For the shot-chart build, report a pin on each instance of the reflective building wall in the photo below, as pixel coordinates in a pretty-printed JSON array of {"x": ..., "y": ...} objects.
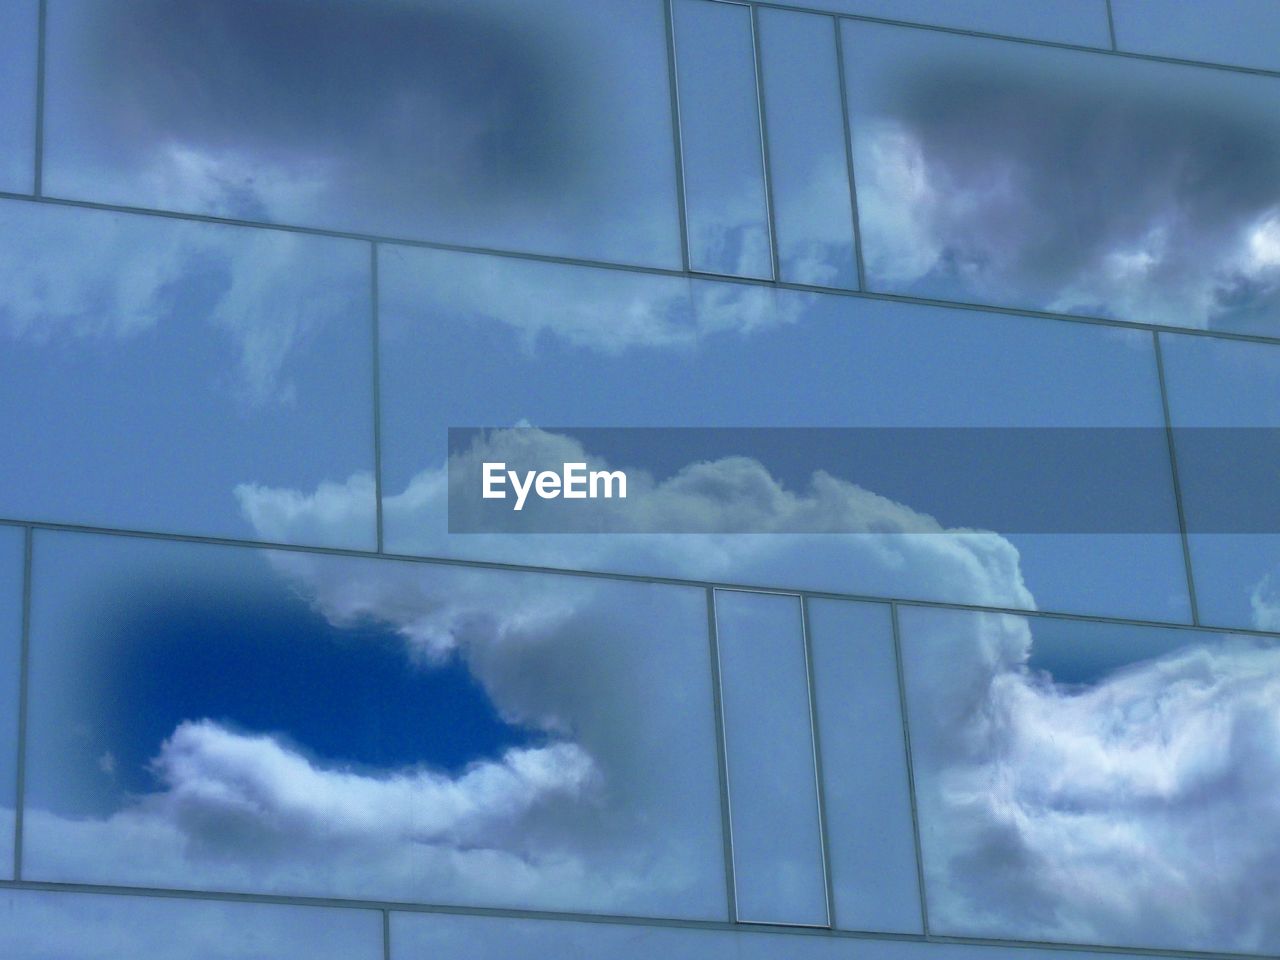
[{"x": 263, "y": 694}]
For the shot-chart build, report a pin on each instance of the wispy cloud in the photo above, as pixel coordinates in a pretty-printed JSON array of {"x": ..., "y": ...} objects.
[
  {"x": 1103, "y": 813},
  {"x": 77, "y": 277}
]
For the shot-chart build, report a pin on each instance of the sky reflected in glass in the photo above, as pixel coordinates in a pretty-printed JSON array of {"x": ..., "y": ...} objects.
[
  {"x": 496, "y": 123},
  {"x": 1088, "y": 782},
  {"x": 281, "y": 722},
  {"x": 1233, "y": 385},
  {"x": 155, "y": 374},
  {"x": 560, "y": 345},
  {"x": 1014, "y": 174},
  {"x": 18, "y": 100},
  {"x": 36, "y": 925},
  {"x": 11, "y": 562}
]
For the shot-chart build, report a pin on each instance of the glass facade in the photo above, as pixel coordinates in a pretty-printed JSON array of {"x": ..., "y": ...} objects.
[{"x": 279, "y": 280}]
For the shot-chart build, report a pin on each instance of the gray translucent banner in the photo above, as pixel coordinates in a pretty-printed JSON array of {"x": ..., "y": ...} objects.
[{"x": 861, "y": 480}]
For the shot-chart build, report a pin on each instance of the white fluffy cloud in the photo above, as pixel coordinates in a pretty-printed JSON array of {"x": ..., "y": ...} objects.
[
  {"x": 894, "y": 551},
  {"x": 1138, "y": 809},
  {"x": 209, "y": 771}
]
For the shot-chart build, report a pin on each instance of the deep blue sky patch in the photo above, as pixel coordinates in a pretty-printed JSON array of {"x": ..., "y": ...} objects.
[{"x": 348, "y": 698}]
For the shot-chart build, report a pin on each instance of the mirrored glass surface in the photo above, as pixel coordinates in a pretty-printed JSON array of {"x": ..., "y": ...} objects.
[
  {"x": 38, "y": 925},
  {"x": 160, "y": 375},
  {"x": 1066, "y": 21},
  {"x": 725, "y": 202},
  {"x": 808, "y": 166},
  {"x": 18, "y": 49},
  {"x": 870, "y": 839},
  {"x": 417, "y": 936},
  {"x": 1088, "y": 782},
  {"x": 219, "y": 718},
  {"x": 1240, "y": 32},
  {"x": 537, "y": 127},
  {"x": 11, "y": 553},
  {"x": 557, "y": 346},
  {"x": 779, "y": 874},
  {"x": 1218, "y": 389},
  {"x": 1068, "y": 181}
]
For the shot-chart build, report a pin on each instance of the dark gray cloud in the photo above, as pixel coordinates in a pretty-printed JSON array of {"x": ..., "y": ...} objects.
[
  {"x": 1069, "y": 182},
  {"x": 414, "y": 91},
  {"x": 489, "y": 122}
]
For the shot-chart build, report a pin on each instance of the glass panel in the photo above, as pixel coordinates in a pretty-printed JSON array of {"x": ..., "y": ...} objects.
[
  {"x": 1014, "y": 174},
  {"x": 540, "y": 127},
  {"x": 221, "y": 718},
  {"x": 1090, "y": 782},
  {"x": 157, "y": 374},
  {"x": 773, "y": 800},
  {"x": 556, "y": 345},
  {"x": 83, "y": 926},
  {"x": 726, "y": 209},
  {"x": 807, "y": 162},
  {"x": 18, "y": 102},
  {"x": 1239, "y": 32},
  {"x": 10, "y": 653},
  {"x": 871, "y": 843},
  {"x": 418, "y": 936},
  {"x": 1066, "y": 21},
  {"x": 1217, "y": 387}
]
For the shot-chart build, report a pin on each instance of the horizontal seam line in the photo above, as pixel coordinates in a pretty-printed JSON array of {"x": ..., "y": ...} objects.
[
  {"x": 1031, "y": 41},
  {"x": 671, "y": 272},
  {"x": 406, "y": 907},
  {"x": 691, "y": 582}
]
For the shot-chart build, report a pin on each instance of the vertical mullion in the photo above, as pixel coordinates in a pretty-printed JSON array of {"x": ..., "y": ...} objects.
[
  {"x": 848, "y": 154},
  {"x": 823, "y": 838},
  {"x": 38, "y": 173},
  {"x": 764, "y": 145},
  {"x": 377, "y": 395},
  {"x": 24, "y": 657},
  {"x": 722, "y": 758},
  {"x": 1177, "y": 485},
  {"x": 911, "y": 774},
  {"x": 677, "y": 142}
]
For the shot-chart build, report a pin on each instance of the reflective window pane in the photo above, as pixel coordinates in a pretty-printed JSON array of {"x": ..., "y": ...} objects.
[
  {"x": 871, "y": 844},
  {"x": 158, "y": 375},
  {"x": 418, "y": 936},
  {"x": 37, "y": 925},
  {"x": 1217, "y": 388},
  {"x": 221, "y": 718},
  {"x": 496, "y": 123},
  {"x": 18, "y": 95},
  {"x": 558, "y": 345},
  {"x": 1068, "y": 181},
  {"x": 10, "y": 644},
  {"x": 807, "y": 162},
  {"x": 1082, "y": 22},
  {"x": 1238, "y": 32},
  {"x": 773, "y": 801},
  {"x": 725, "y": 205},
  {"x": 1087, "y": 782}
]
